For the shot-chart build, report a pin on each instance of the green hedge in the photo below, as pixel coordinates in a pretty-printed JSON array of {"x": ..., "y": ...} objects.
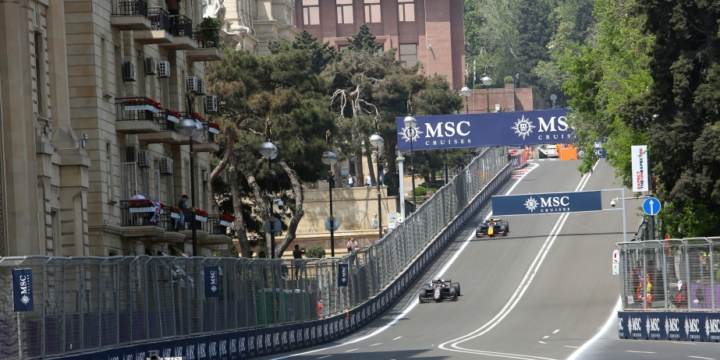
[
  {"x": 315, "y": 252},
  {"x": 420, "y": 191}
]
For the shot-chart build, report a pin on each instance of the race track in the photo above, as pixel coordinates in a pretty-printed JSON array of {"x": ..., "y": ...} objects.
[{"x": 540, "y": 293}]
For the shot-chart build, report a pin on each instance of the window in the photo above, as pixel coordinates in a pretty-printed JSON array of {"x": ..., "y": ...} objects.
[
  {"x": 408, "y": 54},
  {"x": 311, "y": 12},
  {"x": 119, "y": 85},
  {"x": 406, "y": 10},
  {"x": 344, "y": 11},
  {"x": 342, "y": 47},
  {"x": 39, "y": 73},
  {"x": 372, "y": 11},
  {"x": 109, "y": 170}
]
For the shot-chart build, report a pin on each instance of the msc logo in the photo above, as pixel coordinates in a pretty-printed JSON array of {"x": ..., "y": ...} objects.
[
  {"x": 548, "y": 204},
  {"x": 524, "y": 128},
  {"x": 634, "y": 324},
  {"x": 652, "y": 324},
  {"x": 672, "y": 325},
  {"x": 620, "y": 324},
  {"x": 692, "y": 326}
]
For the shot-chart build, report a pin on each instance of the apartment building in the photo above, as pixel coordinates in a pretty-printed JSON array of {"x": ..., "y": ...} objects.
[
  {"x": 429, "y": 31},
  {"x": 92, "y": 93}
]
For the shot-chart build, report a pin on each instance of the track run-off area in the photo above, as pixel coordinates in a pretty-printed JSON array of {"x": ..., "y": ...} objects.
[{"x": 546, "y": 291}]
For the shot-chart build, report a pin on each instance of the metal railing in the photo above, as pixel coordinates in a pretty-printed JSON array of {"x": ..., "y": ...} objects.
[
  {"x": 207, "y": 39},
  {"x": 159, "y": 18},
  {"x": 672, "y": 274},
  {"x": 181, "y": 25},
  {"x": 130, "y": 8},
  {"x": 137, "y": 108},
  {"x": 85, "y": 304},
  {"x": 134, "y": 215}
]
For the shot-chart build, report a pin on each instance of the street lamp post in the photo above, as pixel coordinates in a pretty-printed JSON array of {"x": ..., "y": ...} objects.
[
  {"x": 188, "y": 127},
  {"x": 329, "y": 158},
  {"x": 377, "y": 141},
  {"x": 466, "y": 92},
  {"x": 411, "y": 123},
  {"x": 269, "y": 151},
  {"x": 487, "y": 81}
]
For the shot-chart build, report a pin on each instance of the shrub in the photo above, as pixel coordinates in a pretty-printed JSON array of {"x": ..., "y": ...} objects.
[
  {"x": 420, "y": 191},
  {"x": 315, "y": 252},
  {"x": 509, "y": 79}
]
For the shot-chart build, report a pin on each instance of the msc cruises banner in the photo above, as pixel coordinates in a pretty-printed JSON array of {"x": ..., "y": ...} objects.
[
  {"x": 546, "y": 203},
  {"x": 493, "y": 129}
]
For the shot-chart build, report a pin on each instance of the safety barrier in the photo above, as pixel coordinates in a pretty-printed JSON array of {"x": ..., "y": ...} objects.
[
  {"x": 669, "y": 289},
  {"x": 123, "y": 307}
]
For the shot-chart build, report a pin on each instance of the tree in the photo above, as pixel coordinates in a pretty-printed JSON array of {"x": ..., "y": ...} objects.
[
  {"x": 320, "y": 54},
  {"x": 277, "y": 97},
  {"x": 364, "y": 40}
]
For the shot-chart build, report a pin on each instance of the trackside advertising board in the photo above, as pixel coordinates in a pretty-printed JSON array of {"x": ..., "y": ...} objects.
[
  {"x": 546, "y": 203},
  {"x": 640, "y": 168},
  {"x": 494, "y": 129},
  {"x": 690, "y": 326}
]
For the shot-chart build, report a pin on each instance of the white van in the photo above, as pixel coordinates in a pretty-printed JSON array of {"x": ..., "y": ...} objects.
[{"x": 547, "y": 151}]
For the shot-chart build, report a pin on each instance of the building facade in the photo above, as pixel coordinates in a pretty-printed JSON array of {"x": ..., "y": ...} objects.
[
  {"x": 92, "y": 93},
  {"x": 429, "y": 31},
  {"x": 508, "y": 98}
]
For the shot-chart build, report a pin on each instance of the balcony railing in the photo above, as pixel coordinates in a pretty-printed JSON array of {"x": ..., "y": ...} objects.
[
  {"x": 216, "y": 225},
  {"x": 159, "y": 18},
  {"x": 139, "y": 108},
  {"x": 207, "y": 39},
  {"x": 130, "y": 8},
  {"x": 143, "y": 213},
  {"x": 181, "y": 25}
]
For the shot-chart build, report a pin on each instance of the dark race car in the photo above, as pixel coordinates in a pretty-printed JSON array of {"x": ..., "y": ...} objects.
[
  {"x": 439, "y": 290},
  {"x": 493, "y": 227}
]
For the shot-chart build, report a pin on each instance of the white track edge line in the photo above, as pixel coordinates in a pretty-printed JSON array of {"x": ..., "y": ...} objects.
[{"x": 612, "y": 319}]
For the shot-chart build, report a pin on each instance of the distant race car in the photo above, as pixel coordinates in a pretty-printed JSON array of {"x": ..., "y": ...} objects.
[
  {"x": 439, "y": 290},
  {"x": 493, "y": 227}
]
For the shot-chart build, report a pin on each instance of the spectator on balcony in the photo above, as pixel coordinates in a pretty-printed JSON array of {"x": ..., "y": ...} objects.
[
  {"x": 182, "y": 205},
  {"x": 137, "y": 196},
  {"x": 351, "y": 181},
  {"x": 173, "y": 7}
]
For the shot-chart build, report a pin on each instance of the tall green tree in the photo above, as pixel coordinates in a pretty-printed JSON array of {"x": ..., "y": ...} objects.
[
  {"x": 320, "y": 54},
  {"x": 276, "y": 97}
]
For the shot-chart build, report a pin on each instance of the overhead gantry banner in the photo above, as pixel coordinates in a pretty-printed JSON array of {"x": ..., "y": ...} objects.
[{"x": 492, "y": 129}]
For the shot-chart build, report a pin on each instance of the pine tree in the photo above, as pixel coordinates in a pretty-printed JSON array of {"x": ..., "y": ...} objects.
[
  {"x": 364, "y": 40},
  {"x": 320, "y": 54},
  {"x": 531, "y": 19}
]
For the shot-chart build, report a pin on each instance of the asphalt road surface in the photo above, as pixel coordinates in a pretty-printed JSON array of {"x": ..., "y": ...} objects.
[{"x": 546, "y": 291}]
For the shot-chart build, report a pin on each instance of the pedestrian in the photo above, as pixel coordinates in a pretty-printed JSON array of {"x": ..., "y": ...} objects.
[
  {"x": 261, "y": 255},
  {"x": 173, "y": 7},
  {"x": 374, "y": 222},
  {"x": 320, "y": 306},
  {"x": 351, "y": 181},
  {"x": 517, "y": 80},
  {"x": 297, "y": 255},
  {"x": 182, "y": 205},
  {"x": 351, "y": 245},
  {"x": 368, "y": 181}
]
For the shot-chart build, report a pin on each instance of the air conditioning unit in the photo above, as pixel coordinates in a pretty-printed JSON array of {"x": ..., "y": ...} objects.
[
  {"x": 200, "y": 87},
  {"x": 143, "y": 158},
  {"x": 164, "y": 69},
  {"x": 192, "y": 84},
  {"x": 128, "y": 71},
  {"x": 166, "y": 166},
  {"x": 151, "y": 66},
  {"x": 206, "y": 176},
  {"x": 211, "y": 104},
  {"x": 131, "y": 154}
]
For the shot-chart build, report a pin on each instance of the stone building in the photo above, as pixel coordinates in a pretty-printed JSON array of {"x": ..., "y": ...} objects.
[
  {"x": 429, "y": 31},
  {"x": 79, "y": 137}
]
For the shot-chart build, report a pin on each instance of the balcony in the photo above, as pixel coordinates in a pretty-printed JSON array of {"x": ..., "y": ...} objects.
[
  {"x": 217, "y": 226},
  {"x": 204, "y": 140},
  {"x": 142, "y": 220},
  {"x": 138, "y": 115},
  {"x": 208, "y": 48},
  {"x": 130, "y": 15},
  {"x": 207, "y": 140},
  {"x": 182, "y": 33},
  {"x": 159, "y": 32}
]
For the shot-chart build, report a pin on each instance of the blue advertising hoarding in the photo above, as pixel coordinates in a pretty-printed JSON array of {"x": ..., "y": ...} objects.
[
  {"x": 546, "y": 203},
  {"x": 22, "y": 290},
  {"x": 342, "y": 274},
  {"x": 494, "y": 129},
  {"x": 690, "y": 326},
  {"x": 212, "y": 281}
]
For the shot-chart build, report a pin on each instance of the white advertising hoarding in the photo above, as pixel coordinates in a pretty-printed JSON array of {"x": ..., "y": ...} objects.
[{"x": 640, "y": 168}]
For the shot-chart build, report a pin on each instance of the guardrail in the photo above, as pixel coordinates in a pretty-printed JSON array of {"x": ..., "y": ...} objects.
[{"x": 122, "y": 305}]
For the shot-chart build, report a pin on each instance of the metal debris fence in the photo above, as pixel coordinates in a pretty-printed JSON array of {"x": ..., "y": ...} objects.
[
  {"x": 670, "y": 275},
  {"x": 87, "y": 304}
]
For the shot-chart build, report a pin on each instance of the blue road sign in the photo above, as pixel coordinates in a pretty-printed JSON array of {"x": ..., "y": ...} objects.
[{"x": 651, "y": 206}]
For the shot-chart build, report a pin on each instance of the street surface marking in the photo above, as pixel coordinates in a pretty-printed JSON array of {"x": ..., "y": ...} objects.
[
  {"x": 542, "y": 342},
  {"x": 700, "y": 357},
  {"x": 556, "y": 331},
  {"x": 397, "y": 337},
  {"x": 326, "y": 356},
  {"x": 519, "y": 292},
  {"x": 546, "y": 336},
  {"x": 376, "y": 344},
  {"x": 640, "y": 352},
  {"x": 572, "y": 347},
  {"x": 351, "y": 350},
  {"x": 610, "y": 322}
]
